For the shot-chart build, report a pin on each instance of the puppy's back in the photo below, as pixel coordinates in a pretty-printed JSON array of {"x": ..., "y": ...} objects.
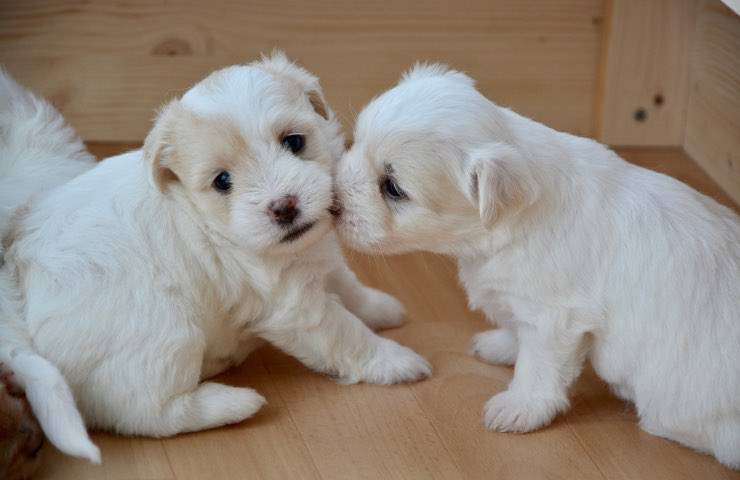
[{"x": 38, "y": 149}]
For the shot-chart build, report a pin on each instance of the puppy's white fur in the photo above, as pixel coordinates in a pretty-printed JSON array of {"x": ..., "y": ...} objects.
[
  {"x": 572, "y": 251},
  {"x": 139, "y": 279},
  {"x": 38, "y": 151}
]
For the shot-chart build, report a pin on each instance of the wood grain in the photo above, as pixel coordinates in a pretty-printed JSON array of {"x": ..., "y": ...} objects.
[
  {"x": 267, "y": 446},
  {"x": 645, "y": 79},
  {"x": 123, "y": 459},
  {"x": 314, "y": 428},
  {"x": 713, "y": 121},
  {"x": 109, "y": 65}
]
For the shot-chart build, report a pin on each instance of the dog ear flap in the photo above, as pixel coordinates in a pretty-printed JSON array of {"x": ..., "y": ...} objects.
[
  {"x": 499, "y": 182},
  {"x": 279, "y": 65},
  {"x": 159, "y": 145},
  {"x": 319, "y": 104}
]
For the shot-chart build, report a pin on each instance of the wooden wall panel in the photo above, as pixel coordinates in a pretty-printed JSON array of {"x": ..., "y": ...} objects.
[
  {"x": 108, "y": 65},
  {"x": 713, "y": 119},
  {"x": 645, "y": 75}
]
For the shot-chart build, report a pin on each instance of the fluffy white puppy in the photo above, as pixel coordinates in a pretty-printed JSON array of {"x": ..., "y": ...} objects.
[
  {"x": 38, "y": 151},
  {"x": 165, "y": 266},
  {"x": 572, "y": 251}
]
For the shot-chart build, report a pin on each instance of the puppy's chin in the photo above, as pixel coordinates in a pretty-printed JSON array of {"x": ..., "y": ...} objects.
[
  {"x": 302, "y": 236},
  {"x": 358, "y": 240}
]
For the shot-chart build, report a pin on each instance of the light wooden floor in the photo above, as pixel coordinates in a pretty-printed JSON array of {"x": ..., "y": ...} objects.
[{"x": 314, "y": 428}]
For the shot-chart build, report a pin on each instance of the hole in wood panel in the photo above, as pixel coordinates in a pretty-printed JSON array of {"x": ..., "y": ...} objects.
[{"x": 172, "y": 47}]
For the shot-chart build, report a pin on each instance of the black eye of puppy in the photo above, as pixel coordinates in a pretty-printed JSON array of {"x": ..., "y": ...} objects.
[
  {"x": 392, "y": 191},
  {"x": 222, "y": 183},
  {"x": 294, "y": 142}
]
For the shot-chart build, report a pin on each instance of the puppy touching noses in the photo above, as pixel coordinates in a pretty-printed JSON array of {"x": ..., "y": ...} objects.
[
  {"x": 239, "y": 169},
  {"x": 285, "y": 210},
  {"x": 335, "y": 209},
  {"x": 572, "y": 252}
]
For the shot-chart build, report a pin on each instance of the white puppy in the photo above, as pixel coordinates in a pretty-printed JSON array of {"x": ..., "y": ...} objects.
[
  {"x": 572, "y": 251},
  {"x": 38, "y": 151},
  {"x": 165, "y": 266}
]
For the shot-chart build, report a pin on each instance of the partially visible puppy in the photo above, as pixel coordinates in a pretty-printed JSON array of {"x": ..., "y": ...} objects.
[
  {"x": 184, "y": 255},
  {"x": 572, "y": 251},
  {"x": 38, "y": 152},
  {"x": 21, "y": 438}
]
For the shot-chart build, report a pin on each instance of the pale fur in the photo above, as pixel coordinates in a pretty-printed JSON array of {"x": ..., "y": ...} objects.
[
  {"x": 139, "y": 280},
  {"x": 573, "y": 252},
  {"x": 38, "y": 151}
]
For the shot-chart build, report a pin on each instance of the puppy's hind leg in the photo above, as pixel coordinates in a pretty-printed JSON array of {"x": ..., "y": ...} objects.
[
  {"x": 718, "y": 436},
  {"x": 497, "y": 347},
  {"x": 376, "y": 309},
  {"x": 726, "y": 442},
  {"x": 159, "y": 395},
  {"x": 209, "y": 405}
]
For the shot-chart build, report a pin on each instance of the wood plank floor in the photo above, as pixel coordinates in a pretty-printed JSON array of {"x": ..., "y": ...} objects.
[{"x": 314, "y": 428}]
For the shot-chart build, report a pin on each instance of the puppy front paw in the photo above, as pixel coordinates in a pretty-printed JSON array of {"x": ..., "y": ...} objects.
[
  {"x": 497, "y": 347},
  {"x": 521, "y": 412},
  {"x": 394, "y": 363},
  {"x": 381, "y": 310}
]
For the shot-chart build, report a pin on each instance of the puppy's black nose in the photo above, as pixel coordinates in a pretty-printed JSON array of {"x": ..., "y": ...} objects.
[{"x": 285, "y": 210}]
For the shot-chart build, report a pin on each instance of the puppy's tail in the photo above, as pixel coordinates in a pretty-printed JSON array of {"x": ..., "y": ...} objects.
[
  {"x": 32, "y": 129},
  {"x": 46, "y": 389}
]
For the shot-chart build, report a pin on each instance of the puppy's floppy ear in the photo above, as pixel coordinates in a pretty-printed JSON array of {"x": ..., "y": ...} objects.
[
  {"x": 499, "y": 181},
  {"x": 159, "y": 144},
  {"x": 279, "y": 65}
]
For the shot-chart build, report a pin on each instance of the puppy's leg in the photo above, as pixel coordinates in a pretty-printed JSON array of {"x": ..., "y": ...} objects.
[
  {"x": 719, "y": 436},
  {"x": 377, "y": 309},
  {"x": 327, "y": 337},
  {"x": 726, "y": 442},
  {"x": 497, "y": 347},
  {"x": 166, "y": 398},
  {"x": 549, "y": 360},
  {"x": 209, "y": 405}
]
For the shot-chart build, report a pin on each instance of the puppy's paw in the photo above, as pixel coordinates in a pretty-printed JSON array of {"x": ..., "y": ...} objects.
[
  {"x": 380, "y": 310},
  {"x": 497, "y": 347},
  {"x": 225, "y": 404},
  {"x": 521, "y": 412},
  {"x": 394, "y": 363}
]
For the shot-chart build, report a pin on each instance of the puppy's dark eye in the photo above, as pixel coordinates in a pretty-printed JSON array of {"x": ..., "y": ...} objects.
[
  {"x": 222, "y": 183},
  {"x": 390, "y": 189},
  {"x": 294, "y": 142}
]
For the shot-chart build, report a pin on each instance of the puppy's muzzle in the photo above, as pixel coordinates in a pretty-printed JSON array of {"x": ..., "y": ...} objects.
[{"x": 284, "y": 211}]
